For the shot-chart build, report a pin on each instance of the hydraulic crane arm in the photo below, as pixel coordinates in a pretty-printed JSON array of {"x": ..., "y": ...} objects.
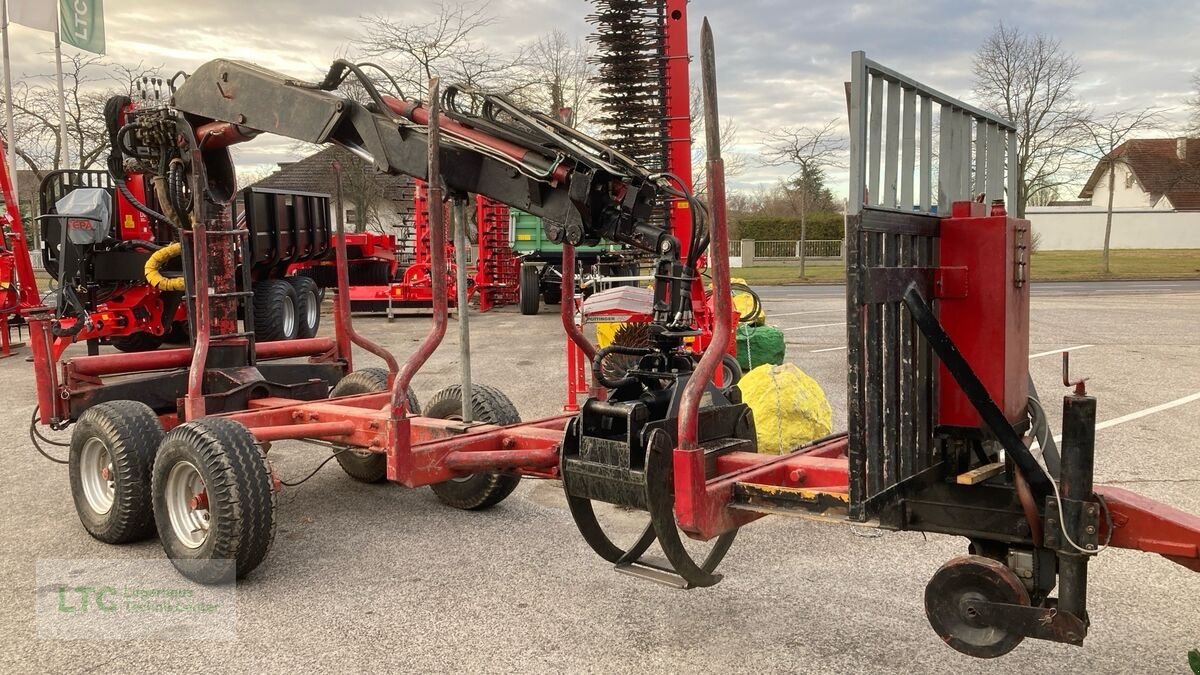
[{"x": 582, "y": 190}]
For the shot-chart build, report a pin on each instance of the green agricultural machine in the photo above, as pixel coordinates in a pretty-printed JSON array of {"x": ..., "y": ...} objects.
[{"x": 541, "y": 264}]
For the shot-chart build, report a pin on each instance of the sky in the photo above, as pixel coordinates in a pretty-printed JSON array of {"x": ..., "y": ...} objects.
[{"x": 780, "y": 62}]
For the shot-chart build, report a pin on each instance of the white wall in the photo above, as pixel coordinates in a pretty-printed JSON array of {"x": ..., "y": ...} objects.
[{"x": 1073, "y": 228}]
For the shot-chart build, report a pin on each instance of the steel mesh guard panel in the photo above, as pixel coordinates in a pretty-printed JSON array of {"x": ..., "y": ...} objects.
[{"x": 891, "y": 368}]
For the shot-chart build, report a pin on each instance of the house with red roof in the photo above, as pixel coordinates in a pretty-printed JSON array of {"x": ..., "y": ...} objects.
[
  {"x": 1156, "y": 173},
  {"x": 1155, "y": 200}
]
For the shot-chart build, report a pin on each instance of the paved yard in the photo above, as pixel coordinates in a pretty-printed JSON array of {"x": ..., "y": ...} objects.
[{"x": 379, "y": 578}]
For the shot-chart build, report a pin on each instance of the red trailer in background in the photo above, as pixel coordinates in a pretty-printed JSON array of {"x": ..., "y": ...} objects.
[{"x": 379, "y": 282}]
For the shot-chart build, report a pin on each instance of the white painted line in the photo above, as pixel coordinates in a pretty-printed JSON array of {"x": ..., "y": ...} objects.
[
  {"x": 1059, "y": 351},
  {"x": 816, "y": 325},
  {"x": 1143, "y": 413},
  {"x": 830, "y": 349},
  {"x": 814, "y": 311}
]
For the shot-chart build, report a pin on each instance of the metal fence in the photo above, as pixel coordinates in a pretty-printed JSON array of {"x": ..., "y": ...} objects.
[
  {"x": 776, "y": 250},
  {"x": 893, "y": 136},
  {"x": 735, "y": 248}
]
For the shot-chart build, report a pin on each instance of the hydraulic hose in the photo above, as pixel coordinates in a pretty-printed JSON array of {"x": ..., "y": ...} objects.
[{"x": 154, "y": 275}]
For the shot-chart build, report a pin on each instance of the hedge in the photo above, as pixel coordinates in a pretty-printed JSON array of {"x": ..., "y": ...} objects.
[{"x": 822, "y": 225}]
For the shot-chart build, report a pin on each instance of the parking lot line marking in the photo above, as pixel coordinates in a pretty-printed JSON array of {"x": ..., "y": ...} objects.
[
  {"x": 830, "y": 349},
  {"x": 816, "y": 325},
  {"x": 1143, "y": 413},
  {"x": 811, "y": 311},
  {"x": 1059, "y": 351}
]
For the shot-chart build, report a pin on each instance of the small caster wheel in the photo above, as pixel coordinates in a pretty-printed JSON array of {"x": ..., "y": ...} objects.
[{"x": 958, "y": 584}]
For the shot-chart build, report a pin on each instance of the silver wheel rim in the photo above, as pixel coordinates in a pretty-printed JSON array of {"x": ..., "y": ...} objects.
[
  {"x": 186, "y": 497},
  {"x": 96, "y": 476},
  {"x": 289, "y": 317},
  {"x": 311, "y": 309}
]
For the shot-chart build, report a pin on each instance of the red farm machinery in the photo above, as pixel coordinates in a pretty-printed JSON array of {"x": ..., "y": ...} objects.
[
  {"x": 945, "y": 433},
  {"x": 380, "y": 281}
]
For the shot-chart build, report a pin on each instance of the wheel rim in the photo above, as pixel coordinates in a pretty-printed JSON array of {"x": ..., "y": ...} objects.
[
  {"x": 289, "y": 317},
  {"x": 311, "y": 309},
  {"x": 187, "y": 504},
  {"x": 96, "y": 476}
]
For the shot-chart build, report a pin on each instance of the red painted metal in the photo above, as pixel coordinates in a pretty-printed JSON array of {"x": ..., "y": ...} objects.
[
  {"x": 1143, "y": 524},
  {"x": 17, "y": 243},
  {"x": 498, "y": 268},
  {"x": 164, "y": 359},
  {"x": 309, "y": 430},
  {"x": 398, "y": 424},
  {"x": 495, "y": 460},
  {"x": 698, "y": 511},
  {"x": 217, "y": 135},
  {"x": 989, "y": 322},
  {"x": 347, "y": 336},
  {"x": 417, "y": 112}
]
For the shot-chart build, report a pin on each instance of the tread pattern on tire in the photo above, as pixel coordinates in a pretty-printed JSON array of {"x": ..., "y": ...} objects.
[
  {"x": 268, "y": 320},
  {"x": 133, "y": 433},
  {"x": 241, "y": 498},
  {"x": 304, "y": 285},
  {"x": 488, "y": 404},
  {"x": 529, "y": 291},
  {"x": 136, "y": 342},
  {"x": 370, "y": 468}
]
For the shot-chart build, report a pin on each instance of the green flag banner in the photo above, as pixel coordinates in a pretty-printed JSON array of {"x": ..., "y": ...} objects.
[{"x": 82, "y": 24}]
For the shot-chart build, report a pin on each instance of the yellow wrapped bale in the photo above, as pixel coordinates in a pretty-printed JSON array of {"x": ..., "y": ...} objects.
[{"x": 790, "y": 408}]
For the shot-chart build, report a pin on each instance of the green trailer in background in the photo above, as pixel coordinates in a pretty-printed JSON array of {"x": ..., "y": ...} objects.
[{"x": 541, "y": 263}]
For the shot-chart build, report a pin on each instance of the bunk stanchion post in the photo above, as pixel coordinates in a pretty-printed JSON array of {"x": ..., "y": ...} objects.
[
  {"x": 398, "y": 426},
  {"x": 1080, "y": 515},
  {"x": 343, "y": 323},
  {"x": 567, "y": 312},
  {"x": 689, "y": 460}
]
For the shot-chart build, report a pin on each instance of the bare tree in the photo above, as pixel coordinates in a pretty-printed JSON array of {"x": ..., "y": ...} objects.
[
  {"x": 1030, "y": 80},
  {"x": 89, "y": 82},
  {"x": 1106, "y": 136},
  {"x": 1194, "y": 104},
  {"x": 558, "y": 75},
  {"x": 735, "y": 162},
  {"x": 811, "y": 151},
  {"x": 446, "y": 44}
]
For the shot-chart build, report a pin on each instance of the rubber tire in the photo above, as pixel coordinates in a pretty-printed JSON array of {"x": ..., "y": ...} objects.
[
  {"x": 530, "y": 290},
  {"x": 137, "y": 342},
  {"x": 367, "y": 467},
  {"x": 180, "y": 333},
  {"x": 241, "y": 497},
  {"x": 488, "y": 404},
  {"x": 306, "y": 290},
  {"x": 730, "y": 366},
  {"x": 370, "y": 273},
  {"x": 325, "y": 276},
  {"x": 269, "y": 325},
  {"x": 131, "y": 432}
]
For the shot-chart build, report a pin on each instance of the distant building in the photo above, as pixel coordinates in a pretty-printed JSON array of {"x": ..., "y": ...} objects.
[
  {"x": 389, "y": 197},
  {"x": 1156, "y": 200},
  {"x": 1155, "y": 173}
]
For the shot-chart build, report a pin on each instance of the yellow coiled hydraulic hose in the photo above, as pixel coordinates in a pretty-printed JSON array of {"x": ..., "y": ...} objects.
[{"x": 160, "y": 257}]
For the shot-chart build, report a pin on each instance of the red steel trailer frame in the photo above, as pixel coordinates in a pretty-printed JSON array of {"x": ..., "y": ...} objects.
[{"x": 694, "y": 482}]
